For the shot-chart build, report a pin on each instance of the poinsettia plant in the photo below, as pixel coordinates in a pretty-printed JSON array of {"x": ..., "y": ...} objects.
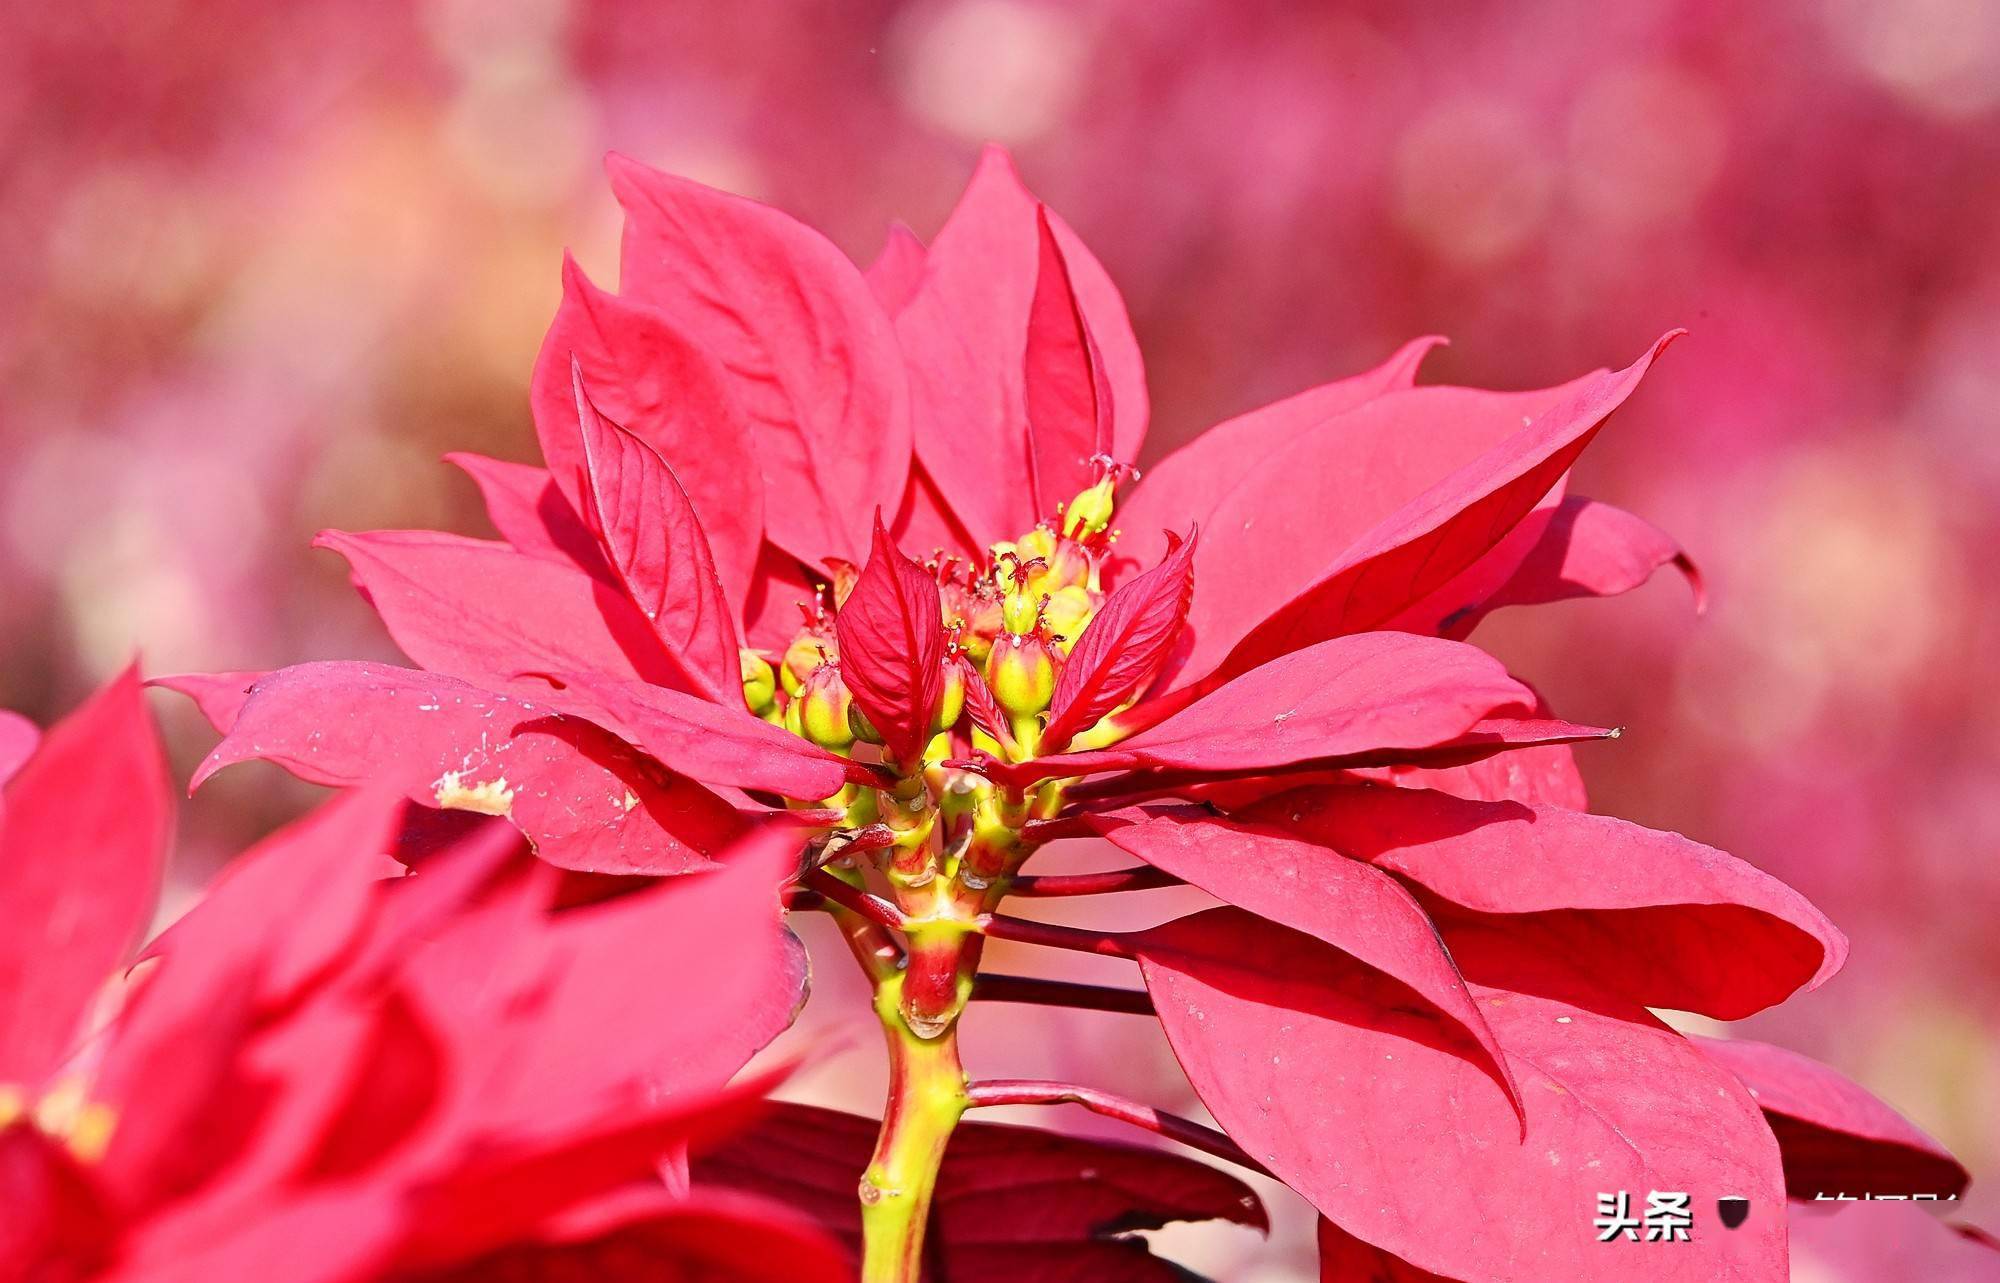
[{"x": 856, "y": 566}]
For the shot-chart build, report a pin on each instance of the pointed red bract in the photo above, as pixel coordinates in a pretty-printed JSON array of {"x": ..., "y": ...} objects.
[
  {"x": 1359, "y": 910},
  {"x": 716, "y": 745},
  {"x": 708, "y": 1238},
  {"x": 18, "y": 738},
  {"x": 656, "y": 545},
  {"x": 528, "y": 509},
  {"x": 409, "y": 1076},
  {"x": 1193, "y": 480},
  {"x": 54, "y": 1213},
  {"x": 654, "y": 375},
  {"x": 1546, "y": 774},
  {"x": 1123, "y": 646},
  {"x": 1067, "y": 396},
  {"x": 1437, "y": 534},
  {"x": 964, "y": 335},
  {"x": 1344, "y": 1258},
  {"x": 1342, "y": 698},
  {"x": 1657, "y": 917},
  {"x": 1592, "y": 549},
  {"x": 340, "y": 850},
  {"x": 1835, "y": 1137},
  {"x": 927, "y": 523},
  {"x": 897, "y": 270},
  {"x": 1369, "y": 1105},
  {"x": 584, "y": 798},
  {"x": 219, "y": 696},
  {"x": 811, "y": 355},
  {"x": 891, "y": 632},
  {"x": 463, "y": 607},
  {"x": 1013, "y": 1202},
  {"x": 83, "y": 842}
]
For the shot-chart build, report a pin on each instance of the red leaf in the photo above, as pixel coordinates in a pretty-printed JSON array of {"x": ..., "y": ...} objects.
[
  {"x": 779, "y": 588},
  {"x": 659, "y": 551},
  {"x": 1466, "y": 753},
  {"x": 897, "y": 271},
  {"x": 1012, "y": 1202},
  {"x": 926, "y": 522},
  {"x": 581, "y": 796},
  {"x": 1370, "y": 1106},
  {"x": 339, "y": 850},
  {"x": 811, "y": 357},
  {"x": 709, "y": 743},
  {"x": 479, "y": 610},
  {"x": 1191, "y": 482},
  {"x": 1067, "y": 396},
  {"x": 1344, "y": 1258},
  {"x": 18, "y": 738},
  {"x": 1836, "y": 1138},
  {"x": 219, "y": 696},
  {"x": 891, "y": 634},
  {"x": 1591, "y": 549},
  {"x": 1547, "y": 774},
  {"x": 1342, "y": 698},
  {"x": 1447, "y": 610},
  {"x": 655, "y": 374},
  {"x": 280, "y": 922},
  {"x": 83, "y": 841},
  {"x": 708, "y": 1238},
  {"x": 1122, "y": 647},
  {"x": 1359, "y": 910},
  {"x": 542, "y": 1012},
  {"x": 528, "y": 509},
  {"x": 1657, "y": 917},
  {"x": 57, "y": 1226},
  {"x": 1433, "y": 536},
  {"x": 964, "y": 335}
]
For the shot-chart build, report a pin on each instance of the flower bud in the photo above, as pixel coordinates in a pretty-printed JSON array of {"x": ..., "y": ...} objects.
[
  {"x": 1090, "y": 512},
  {"x": 823, "y": 703},
  {"x": 760, "y": 684},
  {"x": 1070, "y": 565},
  {"x": 803, "y": 657},
  {"x": 1068, "y": 613},
  {"x": 952, "y": 702},
  {"x": 1022, "y": 672}
]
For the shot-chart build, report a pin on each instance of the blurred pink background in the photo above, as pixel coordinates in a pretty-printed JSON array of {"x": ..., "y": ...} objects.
[{"x": 265, "y": 263}]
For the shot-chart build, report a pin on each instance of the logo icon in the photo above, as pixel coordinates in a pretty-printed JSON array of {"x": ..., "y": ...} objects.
[{"x": 1733, "y": 1209}]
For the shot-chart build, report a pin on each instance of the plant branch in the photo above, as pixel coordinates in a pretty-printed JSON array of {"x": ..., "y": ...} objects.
[
  {"x": 999, "y": 926},
  {"x": 1025, "y": 1091},
  {"x": 1142, "y": 877},
  {"x": 855, "y": 900},
  {"x": 996, "y": 987}
]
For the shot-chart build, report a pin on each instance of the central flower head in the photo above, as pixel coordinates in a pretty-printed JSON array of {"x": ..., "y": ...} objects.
[{"x": 1015, "y": 612}]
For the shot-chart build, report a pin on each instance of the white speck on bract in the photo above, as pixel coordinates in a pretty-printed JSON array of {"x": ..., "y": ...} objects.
[
  {"x": 1279, "y": 720},
  {"x": 1562, "y": 1020}
]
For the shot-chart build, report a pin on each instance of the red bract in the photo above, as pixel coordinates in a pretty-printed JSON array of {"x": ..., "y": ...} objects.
[
  {"x": 322, "y": 1074},
  {"x": 968, "y": 632}
]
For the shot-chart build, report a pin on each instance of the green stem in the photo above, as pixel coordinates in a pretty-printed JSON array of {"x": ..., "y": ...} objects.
[{"x": 927, "y": 1093}]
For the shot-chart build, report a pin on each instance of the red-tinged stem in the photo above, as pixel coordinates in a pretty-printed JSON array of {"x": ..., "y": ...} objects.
[
  {"x": 999, "y": 926},
  {"x": 1142, "y": 878},
  {"x": 992, "y": 986},
  {"x": 926, "y": 1098},
  {"x": 855, "y": 900},
  {"x": 1024, "y": 1091}
]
